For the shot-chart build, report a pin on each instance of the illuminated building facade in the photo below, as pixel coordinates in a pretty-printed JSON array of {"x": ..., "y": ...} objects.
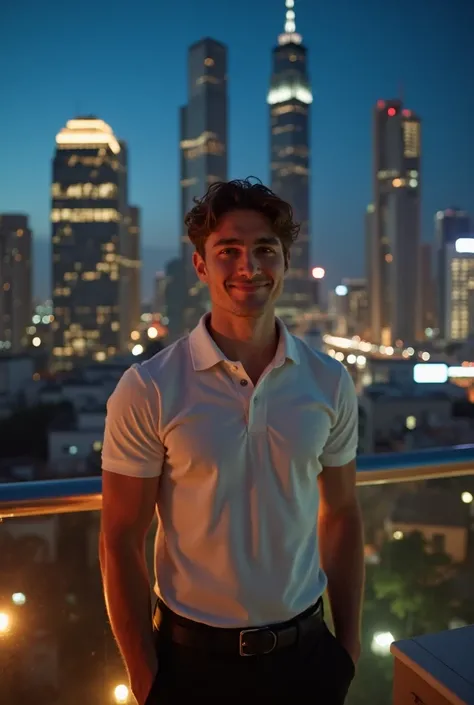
[
  {"x": 203, "y": 147},
  {"x": 89, "y": 237},
  {"x": 459, "y": 293},
  {"x": 450, "y": 225},
  {"x": 394, "y": 242},
  {"x": 16, "y": 305},
  {"x": 289, "y": 99}
]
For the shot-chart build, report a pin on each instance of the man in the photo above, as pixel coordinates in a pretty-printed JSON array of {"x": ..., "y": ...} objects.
[{"x": 243, "y": 439}]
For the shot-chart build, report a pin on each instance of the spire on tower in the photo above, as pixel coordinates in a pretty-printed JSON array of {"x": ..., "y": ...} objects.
[{"x": 290, "y": 35}]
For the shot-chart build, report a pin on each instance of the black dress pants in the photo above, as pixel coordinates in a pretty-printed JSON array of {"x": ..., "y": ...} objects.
[{"x": 316, "y": 671}]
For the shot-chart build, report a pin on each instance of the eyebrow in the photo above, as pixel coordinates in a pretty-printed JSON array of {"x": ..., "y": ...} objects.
[{"x": 264, "y": 240}]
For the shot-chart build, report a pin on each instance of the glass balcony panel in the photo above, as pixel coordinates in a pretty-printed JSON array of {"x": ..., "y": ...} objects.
[{"x": 56, "y": 645}]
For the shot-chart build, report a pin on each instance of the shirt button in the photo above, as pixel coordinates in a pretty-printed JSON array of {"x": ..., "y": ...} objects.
[{"x": 243, "y": 382}]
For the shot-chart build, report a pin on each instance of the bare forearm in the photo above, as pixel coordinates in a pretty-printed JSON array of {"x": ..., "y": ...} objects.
[
  {"x": 342, "y": 557},
  {"x": 127, "y": 597}
]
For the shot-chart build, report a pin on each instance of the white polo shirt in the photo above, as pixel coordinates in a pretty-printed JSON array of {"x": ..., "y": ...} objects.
[{"x": 238, "y": 497}]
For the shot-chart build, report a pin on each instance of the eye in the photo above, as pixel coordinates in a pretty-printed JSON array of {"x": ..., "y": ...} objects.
[
  {"x": 266, "y": 250},
  {"x": 228, "y": 251}
]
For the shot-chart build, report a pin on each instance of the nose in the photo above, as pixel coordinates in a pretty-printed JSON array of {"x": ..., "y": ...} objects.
[{"x": 249, "y": 264}]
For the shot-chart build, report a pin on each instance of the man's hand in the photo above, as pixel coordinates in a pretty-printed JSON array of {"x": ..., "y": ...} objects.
[
  {"x": 341, "y": 548},
  {"x": 142, "y": 683}
]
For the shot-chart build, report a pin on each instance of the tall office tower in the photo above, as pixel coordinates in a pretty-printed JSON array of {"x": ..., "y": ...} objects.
[
  {"x": 89, "y": 239},
  {"x": 203, "y": 147},
  {"x": 395, "y": 307},
  {"x": 131, "y": 277},
  {"x": 16, "y": 305},
  {"x": 428, "y": 303},
  {"x": 289, "y": 99},
  {"x": 459, "y": 295},
  {"x": 450, "y": 225}
]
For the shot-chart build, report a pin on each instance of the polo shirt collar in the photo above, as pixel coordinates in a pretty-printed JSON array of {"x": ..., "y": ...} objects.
[{"x": 205, "y": 353}]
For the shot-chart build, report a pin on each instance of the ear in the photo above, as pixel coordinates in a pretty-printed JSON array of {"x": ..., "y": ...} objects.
[{"x": 200, "y": 266}]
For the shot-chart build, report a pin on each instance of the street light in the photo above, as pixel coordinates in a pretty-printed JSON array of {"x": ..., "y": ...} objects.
[
  {"x": 381, "y": 642},
  {"x": 121, "y": 693},
  {"x": 467, "y": 497},
  {"x": 4, "y": 623}
]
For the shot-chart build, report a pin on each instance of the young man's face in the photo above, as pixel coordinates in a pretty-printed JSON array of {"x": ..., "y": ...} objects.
[{"x": 244, "y": 264}]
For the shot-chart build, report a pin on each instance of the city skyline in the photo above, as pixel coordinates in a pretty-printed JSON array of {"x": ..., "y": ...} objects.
[{"x": 345, "y": 84}]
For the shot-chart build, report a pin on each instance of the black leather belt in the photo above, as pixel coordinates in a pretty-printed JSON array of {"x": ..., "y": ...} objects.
[{"x": 256, "y": 641}]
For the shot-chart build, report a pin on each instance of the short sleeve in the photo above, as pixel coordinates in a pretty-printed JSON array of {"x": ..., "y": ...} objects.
[
  {"x": 131, "y": 442},
  {"x": 341, "y": 446}
]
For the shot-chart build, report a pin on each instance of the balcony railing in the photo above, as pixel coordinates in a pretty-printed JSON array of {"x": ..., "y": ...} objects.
[
  {"x": 55, "y": 641},
  {"x": 84, "y": 494}
]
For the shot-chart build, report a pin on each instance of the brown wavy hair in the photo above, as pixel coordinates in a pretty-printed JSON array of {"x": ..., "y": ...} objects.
[{"x": 223, "y": 197}]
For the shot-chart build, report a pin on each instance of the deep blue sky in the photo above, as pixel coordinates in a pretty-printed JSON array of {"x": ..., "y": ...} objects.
[{"x": 125, "y": 61}]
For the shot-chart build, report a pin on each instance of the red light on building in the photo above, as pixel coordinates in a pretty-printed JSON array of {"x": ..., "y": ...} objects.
[
  {"x": 391, "y": 112},
  {"x": 406, "y": 113},
  {"x": 380, "y": 104}
]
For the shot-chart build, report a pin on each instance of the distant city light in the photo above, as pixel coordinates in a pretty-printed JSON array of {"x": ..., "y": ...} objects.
[
  {"x": 461, "y": 372},
  {"x": 398, "y": 535},
  {"x": 425, "y": 356},
  {"x": 121, "y": 693},
  {"x": 152, "y": 332},
  {"x": 391, "y": 112},
  {"x": 36, "y": 341},
  {"x": 467, "y": 497},
  {"x": 361, "y": 361},
  {"x": 465, "y": 245},
  {"x": 18, "y": 598},
  {"x": 351, "y": 359},
  {"x": 318, "y": 272},
  {"x": 341, "y": 290},
  {"x": 381, "y": 642},
  {"x": 4, "y": 622},
  {"x": 410, "y": 423},
  {"x": 435, "y": 373},
  {"x": 137, "y": 349},
  {"x": 36, "y": 319},
  {"x": 135, "y": 335}
]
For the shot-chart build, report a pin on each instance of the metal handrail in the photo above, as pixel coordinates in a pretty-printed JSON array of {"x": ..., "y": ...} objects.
[{"x": 44, "y": 497}]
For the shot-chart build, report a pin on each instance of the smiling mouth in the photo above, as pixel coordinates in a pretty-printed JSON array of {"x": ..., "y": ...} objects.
[{"x": 243, "y": 286}]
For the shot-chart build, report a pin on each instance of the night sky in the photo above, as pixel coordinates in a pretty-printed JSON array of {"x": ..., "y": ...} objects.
[{"x": 125, "y": 61}]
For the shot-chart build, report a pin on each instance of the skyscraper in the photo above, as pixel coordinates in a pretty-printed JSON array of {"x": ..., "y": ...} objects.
[
  {"x": 450, "y": 225},
  {"x": 89, "y": 238},
  {"x": 203, "y": 147},
  {"x": 289, "y": 99},
  {"x": 15, "y": 281},
  {"x": 394, "y": 247},
  {"x": 458, "y": 307}
]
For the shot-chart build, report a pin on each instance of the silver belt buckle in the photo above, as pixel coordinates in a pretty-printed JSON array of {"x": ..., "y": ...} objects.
[{"x": 242, "y": 644}]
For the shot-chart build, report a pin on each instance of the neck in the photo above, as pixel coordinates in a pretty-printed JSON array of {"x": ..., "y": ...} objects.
[{"x": 246, "y": 339}]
